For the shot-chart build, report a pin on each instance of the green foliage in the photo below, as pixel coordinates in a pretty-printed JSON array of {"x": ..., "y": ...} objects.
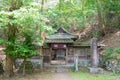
[
  {"x": 112, "y": 53},
  {"x": 113, "y": 56},
  {"x": 72, "y": 14},
  {"x": 96, "y": 33},
  {"x": 110, "y": 11},
  {"x": 1, "y": 41},
  {"x": 21, "y": 49},
  {"x": 108, "y": 52},
  {"x": 72, "y": 68},
  {"x": 113, "y": 13},
  {"x": 118, "y": 50},
  {"x": 84, "y": 75},
  {"x": 23, "y": 25}
]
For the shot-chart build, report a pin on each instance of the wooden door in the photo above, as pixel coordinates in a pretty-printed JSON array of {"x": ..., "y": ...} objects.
[{"x": 59, "y": 56}]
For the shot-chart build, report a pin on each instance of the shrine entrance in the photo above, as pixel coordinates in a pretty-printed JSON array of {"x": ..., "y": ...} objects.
[
  {"x": 58, "y": 44},
  {"x": 58, "y": 56}
]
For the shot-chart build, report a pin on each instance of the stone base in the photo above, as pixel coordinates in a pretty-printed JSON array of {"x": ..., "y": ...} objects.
[{"x": 96, "y": 70}]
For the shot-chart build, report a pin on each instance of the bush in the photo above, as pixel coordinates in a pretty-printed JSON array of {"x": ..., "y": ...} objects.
[{"x": 110, "y": 59}]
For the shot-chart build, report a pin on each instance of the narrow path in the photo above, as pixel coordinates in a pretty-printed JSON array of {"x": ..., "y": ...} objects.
[
  {"x": 61, "y": 73},
  {"x": 62, "y": 76},
  {"x": 57, "y": 73}
]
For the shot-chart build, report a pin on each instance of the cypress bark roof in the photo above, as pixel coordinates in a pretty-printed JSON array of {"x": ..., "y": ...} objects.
[{"x": 61, "y": 36}]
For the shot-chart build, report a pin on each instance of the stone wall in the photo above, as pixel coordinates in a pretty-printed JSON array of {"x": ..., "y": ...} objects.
[
  {"x": 37, "y": 63},
  {"x": 86, "y": 63}
]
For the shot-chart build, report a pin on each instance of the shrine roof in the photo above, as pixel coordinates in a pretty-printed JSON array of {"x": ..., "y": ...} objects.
[
  {"x": 60, "y": 41},
  {"x": 61, "y": 36},
  {"x": 86, "y": 44}
]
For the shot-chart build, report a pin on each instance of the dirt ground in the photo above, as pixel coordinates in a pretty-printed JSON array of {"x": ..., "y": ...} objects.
[
  {"x": 62, "y": 76},
  {"x": 45, "y": 74},
  {"x": 52, "y": 74},
  {"x": 42, "y": 76}
]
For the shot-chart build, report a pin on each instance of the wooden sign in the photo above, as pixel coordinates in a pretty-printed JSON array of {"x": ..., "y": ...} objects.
[{"x": 58, "y": 45}]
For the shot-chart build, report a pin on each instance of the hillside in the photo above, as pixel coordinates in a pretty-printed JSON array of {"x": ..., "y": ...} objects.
[{"x": 111, "y": 40}]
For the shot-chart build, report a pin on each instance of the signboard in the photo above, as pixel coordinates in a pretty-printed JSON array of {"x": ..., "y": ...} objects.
[{"x": 58, "y": 45}]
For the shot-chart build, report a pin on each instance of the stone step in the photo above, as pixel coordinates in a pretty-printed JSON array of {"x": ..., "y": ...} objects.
[
  {"x": 62, "y": 69},
  {"x": 59, "y": 69}
]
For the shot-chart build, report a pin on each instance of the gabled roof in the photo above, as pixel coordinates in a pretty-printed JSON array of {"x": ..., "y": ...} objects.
[{"x": 61, "y": 36}]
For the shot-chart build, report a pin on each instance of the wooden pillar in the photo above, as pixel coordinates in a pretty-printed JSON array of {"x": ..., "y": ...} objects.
[
  {"x": 66, "y": 55},
  {"x": 76, "y": 62},
  {"x": 74, "y": 55},
  {"x": 50, "y": 55},
  {"x": 95, "y": 55}
]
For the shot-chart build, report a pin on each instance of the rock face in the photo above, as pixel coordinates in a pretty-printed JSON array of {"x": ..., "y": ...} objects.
[
  {"x": 113, "y": 65},
  {"x": 96, "y": 70}
]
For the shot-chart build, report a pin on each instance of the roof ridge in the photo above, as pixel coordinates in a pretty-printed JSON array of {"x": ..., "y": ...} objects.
[{"x": 65, "y": 31}]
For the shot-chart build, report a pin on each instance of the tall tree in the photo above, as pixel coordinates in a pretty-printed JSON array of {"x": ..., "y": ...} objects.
[
  {"x": 100, "y": 17},
  {"x": 11, "y": 37},
  {"x": 20, "y": 19}
]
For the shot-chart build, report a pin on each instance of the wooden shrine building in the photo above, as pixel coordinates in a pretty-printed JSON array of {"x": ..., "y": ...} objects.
[{"x": 60, "y": 48}]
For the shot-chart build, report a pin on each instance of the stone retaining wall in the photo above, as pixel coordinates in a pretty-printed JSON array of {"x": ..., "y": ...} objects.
[{"x": 37, "y": 63}]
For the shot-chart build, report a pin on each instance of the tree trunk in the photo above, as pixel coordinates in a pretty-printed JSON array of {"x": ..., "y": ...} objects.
[
  {"x": 83, "y": 14},
  {"x": 72, "y": 26},
  {"x": 11, "y": 30},
  {"x": 100, "y": 18},
  {"x": 60, "y": 4},
  {"x": 9, "y": 58},
  {"x": 24, "y": 63},
  {"x": 9, "y": 66},
  {"x": 11, "y": 37},
  {"x": 42, "y": 5}
]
